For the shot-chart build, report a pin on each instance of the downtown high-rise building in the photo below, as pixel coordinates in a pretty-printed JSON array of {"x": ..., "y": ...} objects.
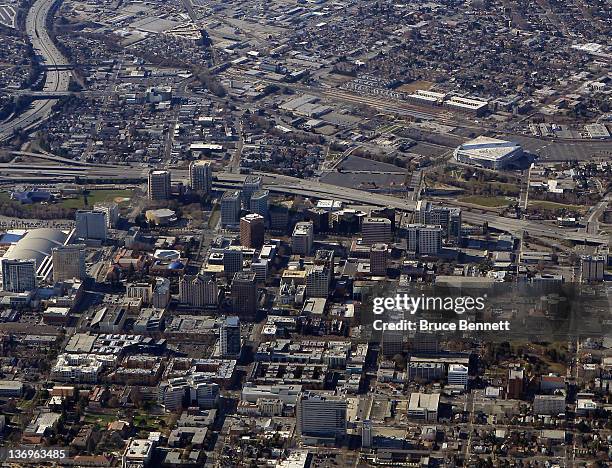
[
  {"x": 320, "y": 274},
  {"x": 198, "y": 291},
  {"x": 449, "y": 218},
  {"x": 200, "y": 176},
  {"x": 321, "y": 415},
  {"x": 424, "y": 239},
  {"x": 302, "y": 238},
  {"x": 91, "y": 225},
  {"x": 110, "y": 210},
  {"x": 252, "y": 231},
  {"x": 259, "y": 203},
  {"x": 229, "y": 337},
  {"x": 18, "y": 275},
  {"x": 233, "y": 260},
  {"x": 379, "y": 257},
  {"x": 244, "y": 293},
  {"x": 376, "y": 230},
  {"x": 159, "y": 185},
  {"x": 592, "y": 268},
  {"x": 252, "y": 183},
  {"x": 230, "y": 208},
  {"x": 68, "y": 262}
]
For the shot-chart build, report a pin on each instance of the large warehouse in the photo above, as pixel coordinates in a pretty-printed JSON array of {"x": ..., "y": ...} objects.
[{"x": 490, "y": 153}]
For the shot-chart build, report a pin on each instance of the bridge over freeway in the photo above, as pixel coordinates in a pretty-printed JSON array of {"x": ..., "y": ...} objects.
[{"x": 44, "y": 94}]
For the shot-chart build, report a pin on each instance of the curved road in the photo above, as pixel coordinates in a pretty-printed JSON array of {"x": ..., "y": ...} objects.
[{"x": 50, "y": 56}]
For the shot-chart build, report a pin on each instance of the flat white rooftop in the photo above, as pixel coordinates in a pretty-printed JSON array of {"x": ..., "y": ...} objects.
[{"x": 487, "y": 148}]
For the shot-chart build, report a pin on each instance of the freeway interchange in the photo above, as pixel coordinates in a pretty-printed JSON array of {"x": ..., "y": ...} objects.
[
  {"x": 57, "y": 77},
  {"x": 65, "y": 171},
  {"x": 57, "y": 81}
]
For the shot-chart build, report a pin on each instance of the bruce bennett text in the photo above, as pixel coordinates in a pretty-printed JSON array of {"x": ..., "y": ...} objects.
[{"x": 426, "y": 325}]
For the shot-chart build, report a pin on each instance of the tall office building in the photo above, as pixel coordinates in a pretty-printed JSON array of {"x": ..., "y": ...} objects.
[
  {"x": 457, "y": 375},
  {"x": 319, "y": 218},
  {"x": 204, "y": 394},
  {"x": 279, "y": 217},
  {"x": 232, "y": 260},
  {"x": 91, "y": 225},
  {"x": 252, "y": 183},
  {"x": 302, "y": 238},
  {"x": 252, "y": 231},
  {"x": 160, "y": 185},
  {"x": 68, "y": 262},
  {"x": 424, "y": 239},
  {"x": 446, "y": 217},
  {"x": 391, "y": 340},
  {"x": 592, "y": 268},
  {"x": 260, "y": 268},
  {"x": 376, "y": 230},
  {"x": 140, "y": 290},
  {"x": 317, "y": 281},
  {"x": 244, "y": 293},
  {"x": 259, "y": 203},
  {"x": 230, "y": 208},
  {"x": 18, "y": 275},
  {"x": 110, "y": 210},
  {"x": 379, "y": 255},
  {"x": 320, "y": 274},
  {"x": 321, "y": 415},
  {"x": 366, "y": 434},
  {"x": 229, "y": 337},
  {"x": 161, "y": 293},
  {"x": 200, "y": 176},
  {"x": 198, "y": 291}
]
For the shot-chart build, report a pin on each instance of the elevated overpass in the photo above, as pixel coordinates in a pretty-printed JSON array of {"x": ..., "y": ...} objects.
[
  {"x": 44, "y": 94},
  {"x": 62, "y": 172}
]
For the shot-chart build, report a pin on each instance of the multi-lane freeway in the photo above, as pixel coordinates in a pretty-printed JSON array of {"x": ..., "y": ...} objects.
[
  {"x": 295, "y": 186},
  {"x": 63, "y": 171},
  {"x": 57, "y": 79}
]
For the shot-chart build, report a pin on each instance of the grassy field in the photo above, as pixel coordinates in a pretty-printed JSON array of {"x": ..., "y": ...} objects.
[
  {"x": 547, "y": 205},
  {"x": 491, "y": 202},
  {"x": 101, "y": 418},
  {"x": 214, "y": 217},
  {"x": 96, "y": 196},
  {"x": 508, "y": 189}
]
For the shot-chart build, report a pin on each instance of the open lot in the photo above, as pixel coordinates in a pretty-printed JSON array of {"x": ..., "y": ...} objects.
[
  {"x": 97, "y": 196},
  {"x": 491, "y": 202}
]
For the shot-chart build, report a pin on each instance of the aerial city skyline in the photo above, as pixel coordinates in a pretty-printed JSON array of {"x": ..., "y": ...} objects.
[{"x": 305, "y": 233}]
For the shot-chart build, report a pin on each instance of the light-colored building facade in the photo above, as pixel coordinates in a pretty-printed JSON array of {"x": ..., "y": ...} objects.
[
  {"x": 198, "y": 291},
  {"x": 68, "y": 262},
  {"x": 424, "y": 239},
  {"x": 200, "y": 176},
  {"x": 302, "y": 238},
  {"x": 159, "y": 185},
  {"x": 321, "y": 415}
]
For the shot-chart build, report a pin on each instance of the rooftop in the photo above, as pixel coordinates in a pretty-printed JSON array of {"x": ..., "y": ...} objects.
[{"x": 488, "y": 148}]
